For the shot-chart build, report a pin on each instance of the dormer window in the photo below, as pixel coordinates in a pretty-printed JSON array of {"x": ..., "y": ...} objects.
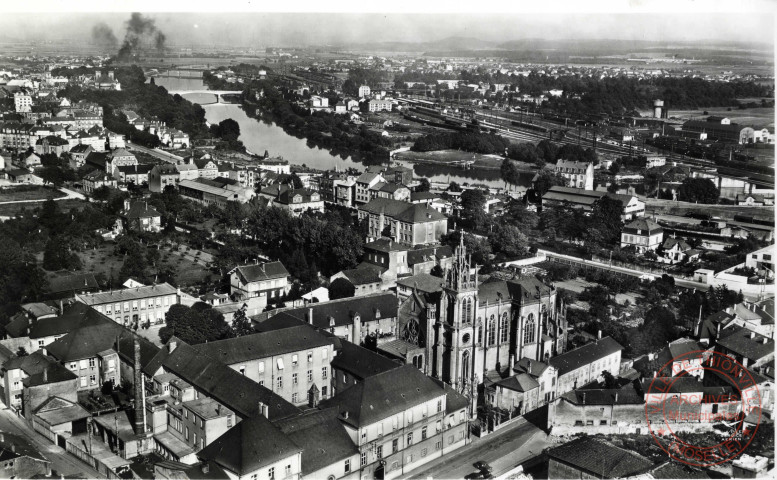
[
  {"x": 377, "y": 313},
  {"x": 331, "y": 321}
]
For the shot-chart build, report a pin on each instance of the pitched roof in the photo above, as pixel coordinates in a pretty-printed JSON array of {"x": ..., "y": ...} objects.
[
  {"x": 321, "y": 436},
  {"x": 263, "y": 344},
  {"x": 403, "y": 211},
  {"x": 73, "y": 282},
  {"x": 127, "y": 294},
  {"x": 361, "y": 362},
  {"x": 384, "y": 394},
  {"x": 627, "y": 395},
  {"x": 260, "y": 272},
  {"x": 75, "y": 316},
  {"x": 385, "y": 245},
  {"x": 524, "y": 289},
  {"x": 423, "y": 282},
  {"x": 85, "y": 342},
  {"x": 585, "y": 355},
  {"x": 748, "y": 344},
  {"x": 521, "y": 382},
  {"x": 14, "y": 446},
  {"x": 644, "y": 225},
  {"x": 600, "y": 458},
  {"x": 141, "y": 210},
  {"x": 363, "y": 275},
  {"x": 250, "y": 445},
  {"x": 142, "y": 168},
  {"x": 368, "y": 307},
  {"x": 234, "y": 390}
]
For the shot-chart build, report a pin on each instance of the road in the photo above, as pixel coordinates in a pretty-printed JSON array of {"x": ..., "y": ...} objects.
[
  {"x": 680, "y": 282},
  {"x": 61, "y": 461},
  {"x": 503, "y": 450},
  {"x": 164, "y": 156}
]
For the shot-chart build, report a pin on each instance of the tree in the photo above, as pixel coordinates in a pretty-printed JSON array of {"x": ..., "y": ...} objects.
[
  {"x": 21, "y": 352},
  {"x": 510, "y": 172},
  {"x": 699, "y": 190},
  {"x": 605, "y": 222},
  {"x": 296, "y": 182},
  {"x": 341, "y": 288},
  {"x": 423, "y": 185},
  {"x": 547, "y": 178},
  {"x": 509, "y": 240},
  {"x": 609, "y": 380},
  {"x": 436, "y": 271},
  {"x": 241, "y": 324},
  {"x": 196, "y": 324},
  {"x": 548, "y": 151},
  {"x": 57, "y": 255},
  {"x": 613, "y": 187}
]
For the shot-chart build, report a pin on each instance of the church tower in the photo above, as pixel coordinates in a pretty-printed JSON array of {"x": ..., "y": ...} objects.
[{"x": 455, "y": 336}]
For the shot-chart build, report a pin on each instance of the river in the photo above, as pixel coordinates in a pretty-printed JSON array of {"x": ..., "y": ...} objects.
[{"x": 259, "y": 136}]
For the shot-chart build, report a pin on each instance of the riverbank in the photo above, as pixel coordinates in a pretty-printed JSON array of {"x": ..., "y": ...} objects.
[{"x": 457, "y": 158}]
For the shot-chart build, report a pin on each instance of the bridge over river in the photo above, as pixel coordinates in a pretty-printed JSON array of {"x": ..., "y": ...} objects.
[{"x": 215, "y": 93}]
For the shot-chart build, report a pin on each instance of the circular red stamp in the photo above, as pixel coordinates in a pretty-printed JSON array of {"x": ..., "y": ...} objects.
[{"x": 680, "y": 403}]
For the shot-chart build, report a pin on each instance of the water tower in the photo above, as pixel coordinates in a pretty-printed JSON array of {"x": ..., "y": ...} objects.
[{"x": 657, "y": 106}]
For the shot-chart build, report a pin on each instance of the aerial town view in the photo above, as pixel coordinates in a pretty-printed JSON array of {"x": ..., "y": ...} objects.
[{"x": 441, "y": 244}]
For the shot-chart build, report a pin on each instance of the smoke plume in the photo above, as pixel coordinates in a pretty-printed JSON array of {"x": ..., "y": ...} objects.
[
  {"x": 103, "y": 35},
  {"x": 142, "y": 35}
]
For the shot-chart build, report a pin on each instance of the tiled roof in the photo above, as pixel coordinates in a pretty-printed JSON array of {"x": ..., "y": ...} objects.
[
  {"x": 526, "y": 289},
  {"x": 141, "y": 168},
  {"x": 250, "y": 445},
  {"x": 385, "y": 245},
  {"x": 382, "y": 395},
  {"x": 521, "y": 382},
  {"x": 600, "y": 458},
  {"x": 627, "y": 395},
  {"x": 644, "y": 225},
  {"x": 368, "y": 307},
  {"x": 585, "y": 355},
  {"x": 261, "y": 272},
  {"x": 73, "y": 282},
  {"x": 14, "y": 446},
  {"x": 361, "y": 362},
  {"x": 362, "y": 276},
  {"x": 403, "y": 211},
  {"x": 234, "y": 390},
  {"x": 264, "y": 344},
  {"x": 321, "y": 436},
  {"x": 75, "y": 316},
  {"x": 85, "y": 342},
  {"x": 742, "y": 341},
  {"x": 423, "y": 281},
  {"x": 141, "y": 210},
  {"x": 127, "y": 294}
]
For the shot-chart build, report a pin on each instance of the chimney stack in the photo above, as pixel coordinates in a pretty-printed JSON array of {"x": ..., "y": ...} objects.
[
  {"x": 310, "y": 315},
  {"x": 345, "y": 414},
  {"x": 616, "y": 397},
  {"x": 140, "y": 408},
  {"x": 599, "y": 335},
  {"x": 45, "y": 375},
  {"x": 205, "y": 467},
  {"x": 264, "y": 410}
]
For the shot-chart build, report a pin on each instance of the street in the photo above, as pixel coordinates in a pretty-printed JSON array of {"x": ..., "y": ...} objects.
[
  {"x": 503, "y": 450},
  {"x": 61, "y": 461}
]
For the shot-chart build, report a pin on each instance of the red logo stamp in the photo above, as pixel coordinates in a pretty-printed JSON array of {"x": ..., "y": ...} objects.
[{"x": 678, "y": 407}]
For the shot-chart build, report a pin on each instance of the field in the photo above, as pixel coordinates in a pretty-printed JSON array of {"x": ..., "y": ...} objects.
[
  {"x": 189, "y": 270},
  {"x": 451, "y": 156},
  {"x": 28, "y": 192},
  {"x": 756, "y": 117},
  {"x": 11, "y": 209}
]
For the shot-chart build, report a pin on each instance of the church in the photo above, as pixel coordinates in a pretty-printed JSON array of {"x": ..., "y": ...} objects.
[{"x": 472, "y": 326}]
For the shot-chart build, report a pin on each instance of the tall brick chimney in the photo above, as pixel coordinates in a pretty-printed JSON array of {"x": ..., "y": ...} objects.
[{"x": 140, "y": 408}]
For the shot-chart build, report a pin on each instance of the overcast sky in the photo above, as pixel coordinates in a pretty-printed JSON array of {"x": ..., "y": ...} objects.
[{"x": 278, "y": 29}]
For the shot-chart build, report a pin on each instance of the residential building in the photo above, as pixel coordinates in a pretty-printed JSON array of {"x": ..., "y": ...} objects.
[
  {"x": 137, "y": 174},
  {"x": 22, "y": 102},
  {"x": 376, "y": 105},
  {"x": 207, "y": 168},
  {"x": 298, "y": 201},
  {"x": 354, "y": 319},
  {"x": 401, "y": 419},
  {"x": 677, "y": 250},
  {"x": 747, "y": 347},
  {"x": 19, "y": 458},
  {"x": 138, "y": 216},
  {"x": 255, "y": 448},
  {"x": 295, "y": 362},
  {"x": 78, "y": 155},
  {"x": 275, "y": 165},
  {"x": 365, "y": 280},
  {"x": 762, "y": 261},
  {"x": 578, "y": 174},
  {"x": 136, "y": 305},
  {"x": 364, "y": 184},
  {"x": 364, "y": 91},
  {"x": 162, "y": 176},
  {"x": 268, "y": 281},
  {"x": 394, "y": 191},
  {"x": 96, "y": 179},
  {"x": 585, "y": 364},
  {"x": 642, "y": 234},
  {"x": 34, "y": 373},
  {"x": 408, "y": 223}
]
